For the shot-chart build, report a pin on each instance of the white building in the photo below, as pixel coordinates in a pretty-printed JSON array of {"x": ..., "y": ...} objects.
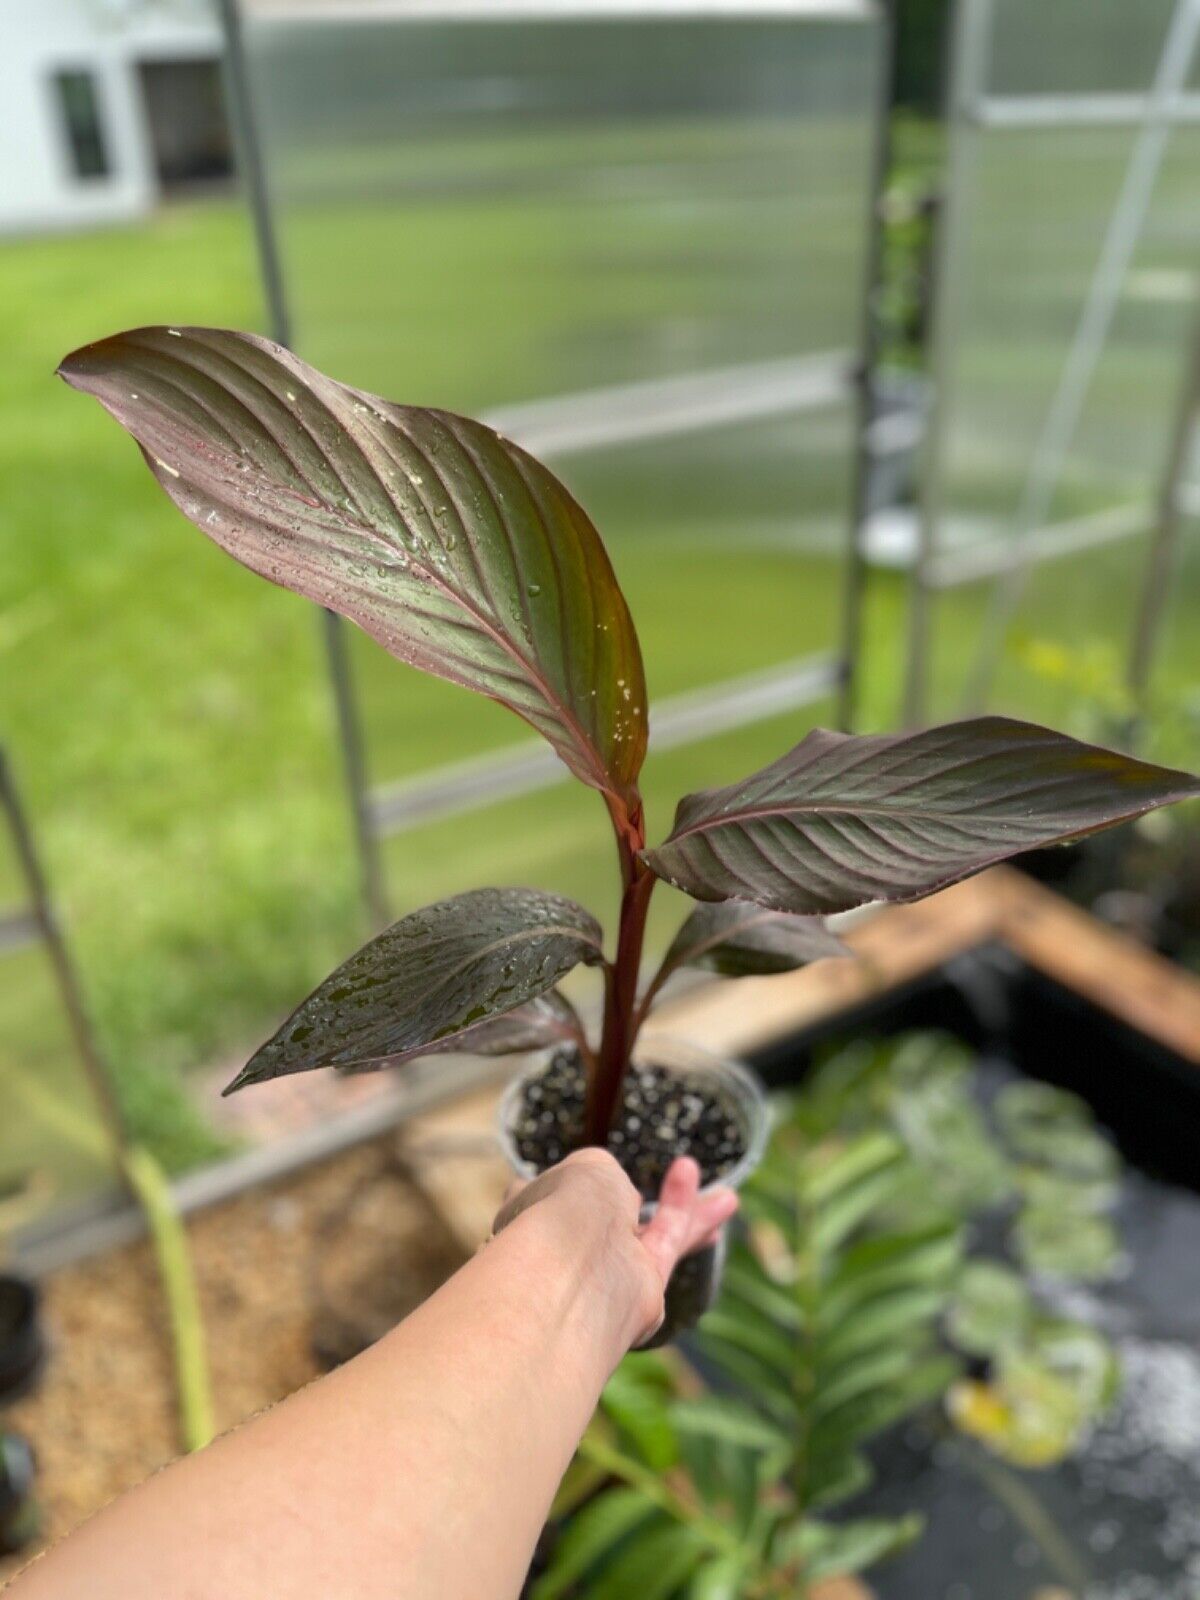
[{"x": 103, "y": 105}]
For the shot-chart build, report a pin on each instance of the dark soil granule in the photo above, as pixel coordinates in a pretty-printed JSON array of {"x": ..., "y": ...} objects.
[{"x": 662, "y": 1115}]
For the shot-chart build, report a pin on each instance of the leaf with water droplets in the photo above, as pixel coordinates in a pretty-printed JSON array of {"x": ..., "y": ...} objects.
[
  {"x": 429, "y": 530},
  {"x": 843, "y": 819},
  {"x": 430, "y": 979}
]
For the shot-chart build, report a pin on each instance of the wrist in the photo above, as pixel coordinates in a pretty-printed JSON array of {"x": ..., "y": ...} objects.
[{"x": 582, "y": 1269}]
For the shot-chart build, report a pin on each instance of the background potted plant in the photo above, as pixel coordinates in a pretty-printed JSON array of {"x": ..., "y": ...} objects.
[{"x": 464, "y": 556}]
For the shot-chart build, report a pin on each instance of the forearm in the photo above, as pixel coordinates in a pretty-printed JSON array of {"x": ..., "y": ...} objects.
[{"x": 423, "y": 1470}]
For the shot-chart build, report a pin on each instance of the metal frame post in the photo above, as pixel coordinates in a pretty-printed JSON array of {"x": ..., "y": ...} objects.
[
  {"x": 49, "y": 932},
  {"x": 1125, "y": 225},
  {"x": 333, "y": 633},
  {"x": 968, "y": 57},
  {"x": 1164, "y": 552},
  {"x": 871, "y": 341}
]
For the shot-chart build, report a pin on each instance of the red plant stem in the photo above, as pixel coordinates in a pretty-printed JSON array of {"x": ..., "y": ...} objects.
[
  {"x": 621, "y": 982},
  {"x": 620, "y": 997}
]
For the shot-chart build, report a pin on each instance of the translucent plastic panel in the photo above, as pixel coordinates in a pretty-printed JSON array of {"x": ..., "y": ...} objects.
[
  {"x": 1059, "y": 378},
  {"x": 729, "y": 545},
  {"x": 476, "y": 212},
  {"x": 1175, "y": 678},
  {"x": 1076, "y": 46},
  {"x": 1065, "y": 655},
  {"x": 1037, "y": 216}
]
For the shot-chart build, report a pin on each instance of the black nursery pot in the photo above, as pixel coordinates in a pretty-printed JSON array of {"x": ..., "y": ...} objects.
[
  {"x": 742, "y": 1100},
  {"x": 22, "y": 1347}
]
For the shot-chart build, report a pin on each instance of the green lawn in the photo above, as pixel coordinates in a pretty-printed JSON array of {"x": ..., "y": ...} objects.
[{"x": 169, "y": 715}]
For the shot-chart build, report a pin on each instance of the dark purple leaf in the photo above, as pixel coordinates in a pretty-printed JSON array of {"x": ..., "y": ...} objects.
[
  {"x": 738, "y": 940},
  {"x": 841, "y": 819},
  {"x": 549, "y": 1019},
  {"x": 452, "y": 547},
  {"x": 431, "y": 978}
]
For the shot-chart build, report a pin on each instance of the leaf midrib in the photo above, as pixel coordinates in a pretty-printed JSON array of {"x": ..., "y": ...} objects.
[{"x": 768, "y": 813}]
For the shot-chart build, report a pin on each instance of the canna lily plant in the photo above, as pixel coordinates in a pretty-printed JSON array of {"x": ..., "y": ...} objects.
[{"x": 467, "y": 558}]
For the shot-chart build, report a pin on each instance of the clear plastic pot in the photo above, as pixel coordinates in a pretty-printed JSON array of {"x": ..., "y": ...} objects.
[{"x": 696, "y": 1281}]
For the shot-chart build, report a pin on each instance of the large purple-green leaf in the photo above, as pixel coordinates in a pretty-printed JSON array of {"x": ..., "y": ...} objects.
[
  {"x": 451, "y": 546},
  {"x": 549, "y": 1019},
  {"x": 841, "y": 819},
  {"x": 430, "y": 978},
  {"x": 738, "y": 939}
]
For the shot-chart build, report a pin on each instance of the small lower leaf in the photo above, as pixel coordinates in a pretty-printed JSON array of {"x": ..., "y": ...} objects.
[
  {"x": 430, "y": 978},
  {"x": 738, "y": 939}
]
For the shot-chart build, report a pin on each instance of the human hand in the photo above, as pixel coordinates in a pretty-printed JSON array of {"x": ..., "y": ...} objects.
[{"x": 594, "y": 1210}]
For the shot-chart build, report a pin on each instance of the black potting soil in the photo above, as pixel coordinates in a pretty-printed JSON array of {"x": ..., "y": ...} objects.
[{"x": 662, "y": 1115}]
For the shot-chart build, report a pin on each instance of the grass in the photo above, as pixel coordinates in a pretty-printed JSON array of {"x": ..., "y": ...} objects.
[{"x": 169, "y": 714}]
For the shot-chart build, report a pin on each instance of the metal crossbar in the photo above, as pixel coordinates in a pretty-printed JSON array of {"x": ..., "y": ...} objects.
[
  {"x": 662, "y": 408},
  {"x": 1054, "y": 111},
  {"x": 342, "y": 12},
  {"x": 991, "y": 558},
  {"x": 531, "y": 766}
]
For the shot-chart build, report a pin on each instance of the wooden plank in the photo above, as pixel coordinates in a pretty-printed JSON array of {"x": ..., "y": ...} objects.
[
  {"x": 454, "y": 1155},
  {"x": 1114, "y": 972},
  {"x": 896, "y": 944}
]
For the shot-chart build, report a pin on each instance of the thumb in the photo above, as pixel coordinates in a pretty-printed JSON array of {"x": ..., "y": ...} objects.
[{"x": 665, "y": 1237}]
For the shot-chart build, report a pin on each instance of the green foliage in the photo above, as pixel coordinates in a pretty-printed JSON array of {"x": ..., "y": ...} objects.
[
  {"x": 826, "y": 1333},
  {"x": 850, "y": 1298},
  {"x": 1037, "y": 1155}
]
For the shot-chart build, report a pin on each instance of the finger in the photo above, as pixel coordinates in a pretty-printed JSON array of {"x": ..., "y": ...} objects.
[
  {"x": 665, "y": 1238},
  {"x": 709, "y": 1215}
]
